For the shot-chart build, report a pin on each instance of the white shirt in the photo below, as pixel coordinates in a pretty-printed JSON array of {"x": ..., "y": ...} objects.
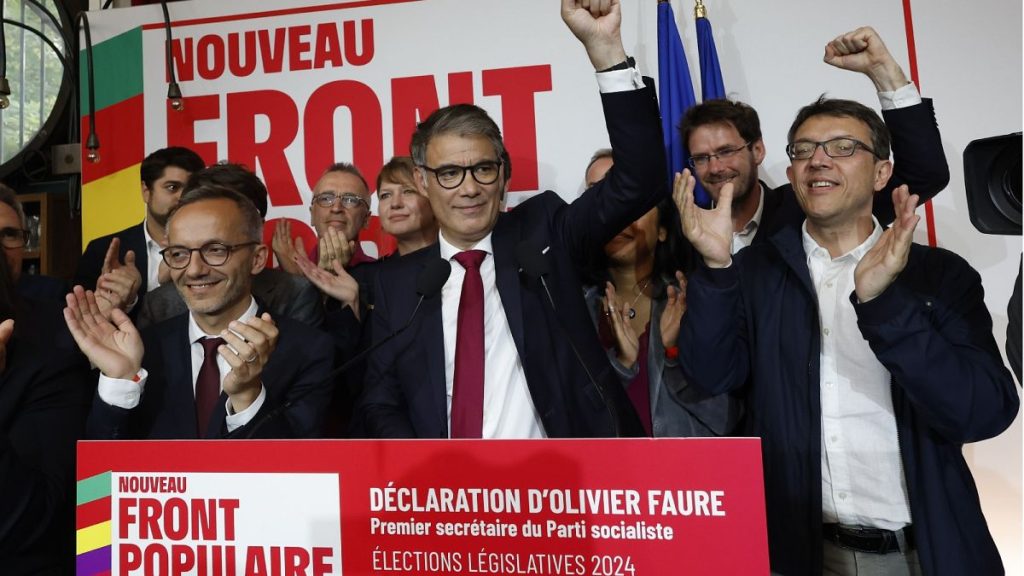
[
  {"x": 862, "y": 477},
  {"x": 127, "y": 393},
  {"x": 509, "y": 411},
  {"x": 153, "y": 259},
  {"x": 745, "y": 237}
]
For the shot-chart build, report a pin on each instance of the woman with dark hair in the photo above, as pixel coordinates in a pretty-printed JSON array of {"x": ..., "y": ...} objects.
[
  {"x": 44, "y": 400},
  {"x": 637, "y": 297}
]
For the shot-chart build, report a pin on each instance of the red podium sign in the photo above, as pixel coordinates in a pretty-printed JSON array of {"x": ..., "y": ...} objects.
[{"x": 304, "y": 508}]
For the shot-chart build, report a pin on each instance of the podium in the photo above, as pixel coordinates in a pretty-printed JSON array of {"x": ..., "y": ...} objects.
[{"x": 616, "y": 507}]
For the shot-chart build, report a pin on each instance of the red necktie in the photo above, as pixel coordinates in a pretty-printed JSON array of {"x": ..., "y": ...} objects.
[
  {"x": 468, "y": 389},
  {"x": 207, "y": 384}
]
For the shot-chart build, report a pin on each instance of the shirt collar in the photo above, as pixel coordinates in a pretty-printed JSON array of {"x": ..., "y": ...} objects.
[
  {"x": 195, "y": 333},
  {"x": 150, "y": 241},
  {"x": 815, "y": 250},
  {"x": 448, "y": 250},
  {"x": 755, "y": 220}
]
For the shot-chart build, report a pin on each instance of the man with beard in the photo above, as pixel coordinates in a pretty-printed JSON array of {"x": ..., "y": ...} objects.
[
  {"x": 224, "y": 368},
  {"x": 724, "y": 141},
  {"x": 127, "y": 263}
]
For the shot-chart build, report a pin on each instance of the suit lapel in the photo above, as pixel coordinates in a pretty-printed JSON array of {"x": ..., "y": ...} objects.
[
  {"x": 506, "y": 273},
  {"x": 135, "y": 240},
  {"x": 180, "y": 392},
  {"x": 431, "y": 334}
]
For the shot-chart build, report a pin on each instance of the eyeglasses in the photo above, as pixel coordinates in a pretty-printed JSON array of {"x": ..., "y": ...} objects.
[
  {"x": 702, "y": 160},
  {"x": 213, "y": 253},
  {"x": 13, "y": 237},
  {"x": 327, "y": 199},
  {"x": 834, "y": 148},
  {"x": 450, "y": 176}
]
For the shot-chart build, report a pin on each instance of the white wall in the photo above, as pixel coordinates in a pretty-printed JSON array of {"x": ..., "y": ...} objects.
[{"x": 969, "y": 60}]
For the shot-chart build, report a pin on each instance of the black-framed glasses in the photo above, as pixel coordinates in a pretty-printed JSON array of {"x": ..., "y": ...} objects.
[
  {"x": 450, "y": 176},
  {"x": 213, "y": 253},
  {"x": 328, "y": 199},
  {"x": 702, "y": 160},
  {"x": 834, "y": 148},
  {"x": 13, "y": 237}
]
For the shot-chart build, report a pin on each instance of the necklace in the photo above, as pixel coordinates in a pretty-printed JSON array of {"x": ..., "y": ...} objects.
[{"x": 632, "y": 307}]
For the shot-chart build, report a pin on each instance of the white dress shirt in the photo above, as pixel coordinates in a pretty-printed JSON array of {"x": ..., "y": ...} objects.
[
  {"x": 127, "y": 393},
  {"x": 745, "y": 236},
  {"x": 509, "y": 411},
  {"x": 153, "y": 259},
  {"x": 862, "y": 477}
]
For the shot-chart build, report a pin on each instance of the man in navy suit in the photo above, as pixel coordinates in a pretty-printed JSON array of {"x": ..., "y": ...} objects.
[
  {"x": 125, "y": 265},
  {"x": 510, "y": 369},
  {"x": 223, "y": 368}
]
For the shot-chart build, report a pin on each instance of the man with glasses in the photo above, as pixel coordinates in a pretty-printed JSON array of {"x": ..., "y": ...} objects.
[
  {"x": 123, "y": 267},
  {"x": 724, "y": 141},
  {"x": 867, "y": 362},
  {"x": 508, "y": 350},
  {"x": 338, "y": 211},
  {"x": 280, "y": 293},
  {"x": 226, "y": 367}
]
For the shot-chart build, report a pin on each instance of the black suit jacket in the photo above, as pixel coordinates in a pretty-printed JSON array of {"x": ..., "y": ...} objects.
[
  {"x": 43, "y": 404},
  {"x": 297, "y": 372},
  {"x": 918, "y": 161},
  {"x": 90, "y": 265},
  {"x": 405, "y": 383}
]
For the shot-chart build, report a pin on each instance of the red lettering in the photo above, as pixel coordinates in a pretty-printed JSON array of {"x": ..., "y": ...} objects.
[
  {"x": 412, "y": 100},
  {"x": 272, "y": 54},
  {"x": 229, "y": 506},
  {"x": 176, "y": 518},
  {"x": 268, "y": 156},
  {"x": 298, "y": 230},
  {"x": 296, "y": 561},
  {"x": 460, "y": 88},
  {"x": 516, "y": 87},
  {"x": 182, "y": 60},
  {"x": 157, "y": 560},
  {"x": 204, "y": 519},
  {"x": 328, "y": 47},
  {"x": 130, "y": 557},
  {"x": 320, "y": 134},
  {"x": 181, "y": 125},
  {"x": 255, "y": 563},
  {"x": 236, "y": 64},
  {"x": 349, "y": 30},
  {"x": 125, "y": 517},
  {"x": 210, "y": 57},
  {"x": 321, "y": 556},
  {"x": 149, "y": 513},
  {"x": 297, "y": 47},
  {"x": 183, "y": 559}
]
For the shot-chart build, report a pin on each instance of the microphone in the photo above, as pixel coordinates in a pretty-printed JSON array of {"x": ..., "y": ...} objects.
[
  {"x": 534, "y": 263},
  {"x": 429, "y": 283}
]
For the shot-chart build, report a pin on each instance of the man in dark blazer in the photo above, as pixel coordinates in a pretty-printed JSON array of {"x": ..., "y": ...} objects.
[
  {"x": 724, "y": 140},
  {"x": 277, "y": 292},
  {"x": 867, "y": 362},
  {"x": 119, "y": 276},
  {"x": 532, "y": 382},
  {"x": 225, "y": 367}
]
